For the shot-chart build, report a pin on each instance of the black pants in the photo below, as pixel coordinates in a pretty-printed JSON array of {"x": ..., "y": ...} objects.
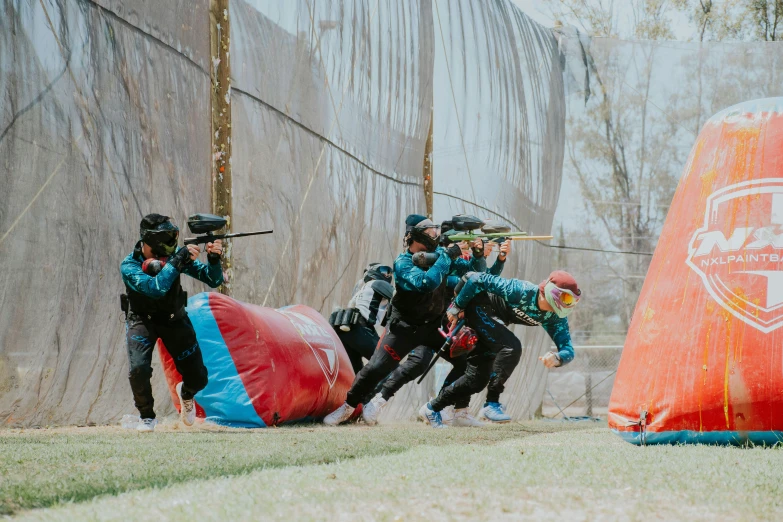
[
  {"x": 359, "y": 342},
  {"x": 416, "y": 364},
  {"x": 180, "y": 340},
  {"x": 491, "y": 362},
  {"x": 398, "y": 341}
]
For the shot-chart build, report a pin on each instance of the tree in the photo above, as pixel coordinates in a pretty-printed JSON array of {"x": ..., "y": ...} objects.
[{"x": 626, "y": 146}]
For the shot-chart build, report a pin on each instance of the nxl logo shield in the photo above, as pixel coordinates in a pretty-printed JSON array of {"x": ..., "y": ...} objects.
[{"x": 739, "y": 251}]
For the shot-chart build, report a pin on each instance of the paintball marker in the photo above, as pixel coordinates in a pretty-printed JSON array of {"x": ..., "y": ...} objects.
[
  {"x": 490, "y": 231},
  {"x": 459, "y": 341},
  {"x": 461, "y": 228},
  {"x": 208, "y": 223}
]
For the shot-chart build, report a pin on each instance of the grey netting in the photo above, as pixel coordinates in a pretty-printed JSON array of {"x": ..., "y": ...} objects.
[
  {"x": 498, "y": 145},
  {"x": 330, "y": 108},
  {"x": 106, "y": 116},
  {"x": 100, "y": 122}
]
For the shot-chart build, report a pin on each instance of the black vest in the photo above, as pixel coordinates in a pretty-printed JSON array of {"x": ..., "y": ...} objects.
[
  {"x": 170, "y": 306},
  {"x": 418, "y": 308}
]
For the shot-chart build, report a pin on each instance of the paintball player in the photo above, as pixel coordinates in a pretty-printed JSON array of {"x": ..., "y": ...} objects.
[
  {"x": 419, "y": 359},
  {"x": 370, "y": 299},
  {"x": 417, "y": 311},
  {"x": 486, "y": 302},
  {"x": 155, "y": 308}
]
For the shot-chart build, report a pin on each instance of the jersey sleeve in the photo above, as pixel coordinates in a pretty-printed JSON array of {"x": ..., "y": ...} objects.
[
  {"x": 510, "y": 290},
  {"x": 209, "y": 274},
  {"x": 558, "y": 331},
  {"x": 461, "y": 266},
  {"x": 412, "y": 278},
  {"x": 497, "y": 268},
  {"x": 151, "y": 286}
]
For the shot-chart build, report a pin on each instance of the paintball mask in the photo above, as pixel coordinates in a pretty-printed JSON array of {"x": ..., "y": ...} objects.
[
  {"x": 419, "y": 234},
  {"x": 160, "y": 234},
  {"x": 561, "y": 292},
  {"x": 377, "y": 272}
]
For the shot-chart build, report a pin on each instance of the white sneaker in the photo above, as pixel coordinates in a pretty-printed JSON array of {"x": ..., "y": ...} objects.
[
  {"x": 187, "y": 413},
  {"x": 434, "y": 418},
  {"x": 446, "y": 415},
  {"x": 146, "y": 425},
  {"x": 372, "y": 409},
  {"x": 340, "y": 415},
  {"x": 494, "y": 412},
  {"x": 463, "y": 419}
]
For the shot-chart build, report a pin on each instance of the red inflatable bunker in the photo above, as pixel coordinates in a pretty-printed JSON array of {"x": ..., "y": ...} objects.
[
  {"x": 703, "y": 360},
  {"x": 266, "y": 366}
]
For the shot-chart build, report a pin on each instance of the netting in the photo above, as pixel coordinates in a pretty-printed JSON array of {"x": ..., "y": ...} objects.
[
  {"x": 330, "y": 107},
  {"x": 498, "y": 146},
  {"x": 106, "y": 116}
]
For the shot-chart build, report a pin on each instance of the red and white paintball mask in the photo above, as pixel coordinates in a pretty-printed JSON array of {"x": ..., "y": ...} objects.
[{"x": 561, "y": 292}]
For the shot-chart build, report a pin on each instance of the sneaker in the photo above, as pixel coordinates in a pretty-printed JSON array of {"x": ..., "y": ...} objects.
[
  {"x": 434, "y": 418},
  {"x": 340, "y": 415},
  {"x": 147, "y": 425},
  {"x": 372, "y": 409},
  {"x": 494, "y": 412},
  {"x": 446, "y": 415},
  {"x": 463, "y": 419},
  {"x": 187, "y": 412}
]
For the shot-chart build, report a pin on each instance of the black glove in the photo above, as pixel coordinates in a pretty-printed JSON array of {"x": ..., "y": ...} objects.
[
  {"x": 454, "y": 251},
  {"x": 180, "y": 259},
  {"x": 213, "y": 259},
  {"x": 479, "y": 252}
]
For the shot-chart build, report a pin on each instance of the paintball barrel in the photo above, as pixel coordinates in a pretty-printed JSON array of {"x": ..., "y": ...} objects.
[
  {"x": 462, "y": 227},
  {"x": 208, "y": 223},
  {"x": 493, "y": 231}
]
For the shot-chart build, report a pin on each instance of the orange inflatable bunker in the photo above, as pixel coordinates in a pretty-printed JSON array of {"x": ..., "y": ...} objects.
[
  {"x": 703, "y": 360},
  {"x": 266, "y": 366}
]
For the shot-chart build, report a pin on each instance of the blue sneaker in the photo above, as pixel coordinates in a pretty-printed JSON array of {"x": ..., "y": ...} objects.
[
  {"x": 494, "y": 412},
  {"x": 433, "y": 418}
]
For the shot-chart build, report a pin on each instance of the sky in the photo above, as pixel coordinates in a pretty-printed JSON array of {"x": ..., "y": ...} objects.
[{"x": 537, "y": 10}]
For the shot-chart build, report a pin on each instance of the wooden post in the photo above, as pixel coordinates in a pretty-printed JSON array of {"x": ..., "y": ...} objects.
[
  {"x": 221, "y": 122},
  {"x": 428, "y": 168}
]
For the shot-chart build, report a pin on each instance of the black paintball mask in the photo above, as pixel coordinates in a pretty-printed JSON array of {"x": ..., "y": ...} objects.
[
  {"x": 160, "y": 234},
  {"x": 378, "y": 272},
  {"x": 419, "y": 234}
]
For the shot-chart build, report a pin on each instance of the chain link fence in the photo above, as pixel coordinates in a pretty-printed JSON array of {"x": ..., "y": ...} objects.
[{"x": 583, "y": 387}]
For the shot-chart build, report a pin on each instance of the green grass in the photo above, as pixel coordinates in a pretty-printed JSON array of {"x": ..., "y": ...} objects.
[
  {"x": 517, "y": 471},
  {"x": 39, "y": 468}
]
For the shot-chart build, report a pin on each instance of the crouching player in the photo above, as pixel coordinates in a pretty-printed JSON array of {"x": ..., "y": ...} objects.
[
  {"x": 417, "y": 310},
  {"x": 486, "y": 302},
  {"x": 156, "y": 310}
]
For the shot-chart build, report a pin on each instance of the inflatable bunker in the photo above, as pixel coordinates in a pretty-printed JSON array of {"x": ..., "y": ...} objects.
[
  {"x": 266, "y": 366},
  {"x": 703, "y": 360}
]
